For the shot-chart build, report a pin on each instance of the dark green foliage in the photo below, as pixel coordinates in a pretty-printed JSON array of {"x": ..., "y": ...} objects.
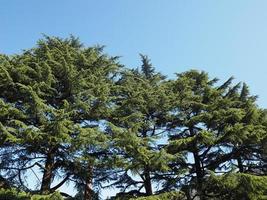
[
  {"x": 138, "y": 122},
  {"x": 236, "y": 186},
  {"x": 14, "y": 194},
  {"x": 53, "y": 196},
  {"x": 72, "y": 113},
  {"x": 164, "y": 196},
  {"x": 147, "y": 69},
  {"x": 219, "y": 126},
  {"x": 52, "y": 99}
]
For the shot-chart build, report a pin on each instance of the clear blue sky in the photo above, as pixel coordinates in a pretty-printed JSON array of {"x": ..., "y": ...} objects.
[
  {"x": 222, "y": 37},
  {"x": 225, "y": 38}
]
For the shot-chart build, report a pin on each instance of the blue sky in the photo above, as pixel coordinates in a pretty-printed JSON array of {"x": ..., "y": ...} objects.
[{"x": 222, "y": 37}]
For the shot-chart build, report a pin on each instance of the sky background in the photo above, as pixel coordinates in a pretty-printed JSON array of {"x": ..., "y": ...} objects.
[{"x": 225, "y": 38}]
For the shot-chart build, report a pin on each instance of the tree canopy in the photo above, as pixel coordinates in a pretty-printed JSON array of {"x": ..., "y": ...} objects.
[{"x": 73, "y": 114}]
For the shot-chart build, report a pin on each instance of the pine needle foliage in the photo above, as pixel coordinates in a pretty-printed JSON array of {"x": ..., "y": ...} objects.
[{"x": 71, "y": 113}]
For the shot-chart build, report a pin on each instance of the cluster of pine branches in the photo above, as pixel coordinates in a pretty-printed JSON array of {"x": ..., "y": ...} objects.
[{"x": 75, "y": 114}]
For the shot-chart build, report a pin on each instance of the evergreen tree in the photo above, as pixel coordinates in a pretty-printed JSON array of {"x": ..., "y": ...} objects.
[
  {"x": 138, "y": 124},
  {"x": 215, "y": 126},
  {"x": 146, "y": 68},
  {"x": 71, "y": 112},
  {"x": 48, "y": 96}
]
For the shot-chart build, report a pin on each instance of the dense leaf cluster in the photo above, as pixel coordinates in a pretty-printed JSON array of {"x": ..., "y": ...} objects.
[
  {"x": 72, "y": 114},
  {"x": 18, "y": 195}
]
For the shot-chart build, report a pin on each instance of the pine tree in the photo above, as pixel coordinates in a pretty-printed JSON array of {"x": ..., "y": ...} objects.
[
  {"x": 48, "y": 96},
  {"x": 146, "y": 68},
  {"x": 215, "y": 126},
  {"x": 138, "y": 124},
  {"x": 71, "y": 112}
]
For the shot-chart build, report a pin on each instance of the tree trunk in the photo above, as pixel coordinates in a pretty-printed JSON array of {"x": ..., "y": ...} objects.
[
  {"x": 264, "y": 156},
  {"x": 147, "y": 182},
  {"x": 147, "y": 178},
  {"x": 199, "y": 173},
  {"x": 88, "y": 190},
  {"x": 198, "y": 167},
  {"x": 48, "y": 173},
  {"x": 240, "y": 164},
  {"x": 3, "y": 183}
]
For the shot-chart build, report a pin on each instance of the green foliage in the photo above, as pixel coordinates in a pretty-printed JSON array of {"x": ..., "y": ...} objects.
[
  {"x": 52, "y": 99},
  {"x": 164, "y": 196},
  {"x": 53, "y": 196},
  {"x": 14, "y": 194},
  {"x": 174, "y": 195},
  {"x": 137, "y": 124},
  {"x": 237, "y": 186},
  {"x": 73, "y": 113},
  {"x": 213, "y": 119}
]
